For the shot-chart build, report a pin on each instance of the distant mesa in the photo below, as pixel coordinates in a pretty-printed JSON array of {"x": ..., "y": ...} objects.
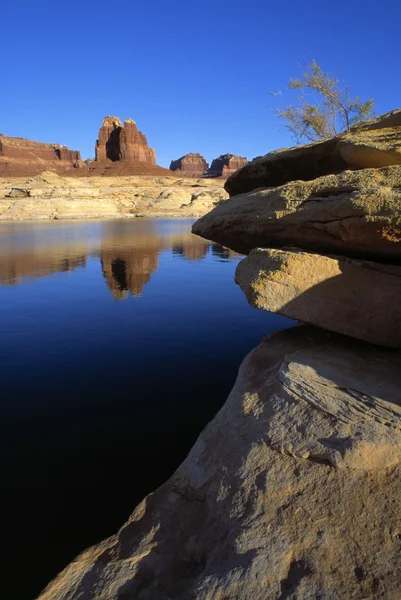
[
  {"x": 192, "y": 165},
  {"x": 226, "y": 164},
  {"x": 20, "y": 157}
]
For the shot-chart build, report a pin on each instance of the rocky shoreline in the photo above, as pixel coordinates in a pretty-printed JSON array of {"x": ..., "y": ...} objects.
[
  {"x": 292, "y": 490},
  {"x": 52, "y": 196}
]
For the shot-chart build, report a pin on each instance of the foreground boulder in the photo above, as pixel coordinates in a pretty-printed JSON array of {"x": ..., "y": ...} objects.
[
  {"x": 353, "y": 297},
  {"x": 375, "y": 143},
  {"x": 356, "y": 213},
  {"x": 292, "y": 491}
]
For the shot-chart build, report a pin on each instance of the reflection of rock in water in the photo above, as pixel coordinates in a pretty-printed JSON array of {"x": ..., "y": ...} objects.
[
  {"x": 223, "y": 252},
  {"x": 128, "y": 270},
  {"x": 14, "y": 267},
  {"x": 192, "y": 249}
]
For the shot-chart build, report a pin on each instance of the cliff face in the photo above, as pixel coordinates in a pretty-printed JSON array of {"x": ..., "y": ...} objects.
[
  {"x": 192, "y": 164},
  {"x": 124, "y": 143},
  {"x": 226, "y": 164},
  {"x": 20, "y": 157}
]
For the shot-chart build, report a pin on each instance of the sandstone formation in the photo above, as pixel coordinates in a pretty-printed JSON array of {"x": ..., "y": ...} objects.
[
  {"x": 226, "y": 165},
  {"x": 192, "y": 165},
  {"x": 376, "y": 143},
  {"x": 292, "y": 491},
  {"x": 118, "y": 142},
  {"x": 357, "y": 213},
  {"x": 51, "y": 196},
  {"x": 20, "y": 157},
  {"x": 353, "y": 297}
]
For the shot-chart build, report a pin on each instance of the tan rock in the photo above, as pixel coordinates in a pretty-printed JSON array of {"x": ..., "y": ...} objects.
[
  {"x": 352, "y": 297},
  {"x": 292, "y": 491},
  {"x": 375, "y": 143},
  {"x": 356, "y": 213},
  {"x": 50, "y": 196}
]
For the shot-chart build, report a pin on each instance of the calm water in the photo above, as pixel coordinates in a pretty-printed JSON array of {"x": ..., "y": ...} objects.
[{"x": 119, "y": 341}]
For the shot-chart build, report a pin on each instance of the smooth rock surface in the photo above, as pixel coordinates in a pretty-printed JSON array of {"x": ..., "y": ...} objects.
[
  {"x": 353, "y": 297},
  {"x": 50, "y": 196},
  {"x": 355, "y": 213},
  {"x": 292, "y": 491},
  {"x": 375, "y": 143}
]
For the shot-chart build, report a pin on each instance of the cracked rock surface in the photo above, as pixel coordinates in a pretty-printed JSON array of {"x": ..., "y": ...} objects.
[{"x": 292, "y": 490}]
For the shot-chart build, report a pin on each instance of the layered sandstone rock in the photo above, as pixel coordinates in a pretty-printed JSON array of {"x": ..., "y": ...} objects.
[
  {"x": 357, "y": 213},
  {"x": 291, "y": 491},
  {"x": 226, "y": 165},
  {"x": 118, "y": 142},
  {"x": 21, "y": 157},
  {"x": 51, "y": 196},
  {"x": 192, "y": 164},
  {"x": 354, "y": 297},
  {"x": 376, "y": 143}
]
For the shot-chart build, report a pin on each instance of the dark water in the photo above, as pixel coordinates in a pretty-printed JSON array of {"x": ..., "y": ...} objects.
[{"x": 119, "y": 341}]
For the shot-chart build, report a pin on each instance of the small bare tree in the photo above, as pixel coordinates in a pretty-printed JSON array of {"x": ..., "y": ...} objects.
[{"x": 325, "y": 107}]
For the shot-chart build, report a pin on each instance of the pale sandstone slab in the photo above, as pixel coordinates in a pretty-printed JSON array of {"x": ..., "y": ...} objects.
[
  {"x": 356, "y": 213},
  {"x": 358, "y": 298},
  {"x": 292, "y": 491}
]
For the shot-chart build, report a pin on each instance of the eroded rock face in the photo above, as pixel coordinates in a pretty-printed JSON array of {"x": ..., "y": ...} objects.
[
  {"x": 375, "y": 143},
  {"x": 353, "y": 297},
  {"x": 291, "y": 491},
  {"x": 20, "y": 157},
  {"x": 356, "y": 213},
  {"x": 192, "y": 164},
  {"x": 226, "y": 164},
  {"x": 118, "y": 142}
]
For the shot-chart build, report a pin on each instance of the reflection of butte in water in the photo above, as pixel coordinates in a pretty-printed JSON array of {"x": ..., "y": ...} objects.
[
  {"x": 129, "y": 258},
  {"x": 128, "y": 251}
]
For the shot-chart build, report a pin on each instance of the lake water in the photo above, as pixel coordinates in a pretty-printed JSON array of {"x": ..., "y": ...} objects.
[{"x": 119, "y": 341}]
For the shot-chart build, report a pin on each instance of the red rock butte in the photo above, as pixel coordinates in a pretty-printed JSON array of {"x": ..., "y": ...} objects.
[
  {"x": 192, "y": 165},
  {"x": 118, "y": 142},
  {"x": 226, "y": 164}
]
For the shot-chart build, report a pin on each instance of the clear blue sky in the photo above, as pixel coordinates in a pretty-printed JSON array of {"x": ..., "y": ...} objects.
[{"x": 194, "y": 75}]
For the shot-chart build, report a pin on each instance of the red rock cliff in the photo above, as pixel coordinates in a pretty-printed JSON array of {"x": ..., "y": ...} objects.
[{"x": 21, "y": 157}]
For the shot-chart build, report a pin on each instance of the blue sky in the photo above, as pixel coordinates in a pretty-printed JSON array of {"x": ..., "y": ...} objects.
[{"x": 194, "y": 75}]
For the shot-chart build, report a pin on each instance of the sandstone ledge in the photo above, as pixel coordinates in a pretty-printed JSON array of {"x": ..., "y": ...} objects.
[
  {"x": 353, "y": 297},
  {"x": 291, "y": 491},
  {"x": 356, "y": 213}
]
